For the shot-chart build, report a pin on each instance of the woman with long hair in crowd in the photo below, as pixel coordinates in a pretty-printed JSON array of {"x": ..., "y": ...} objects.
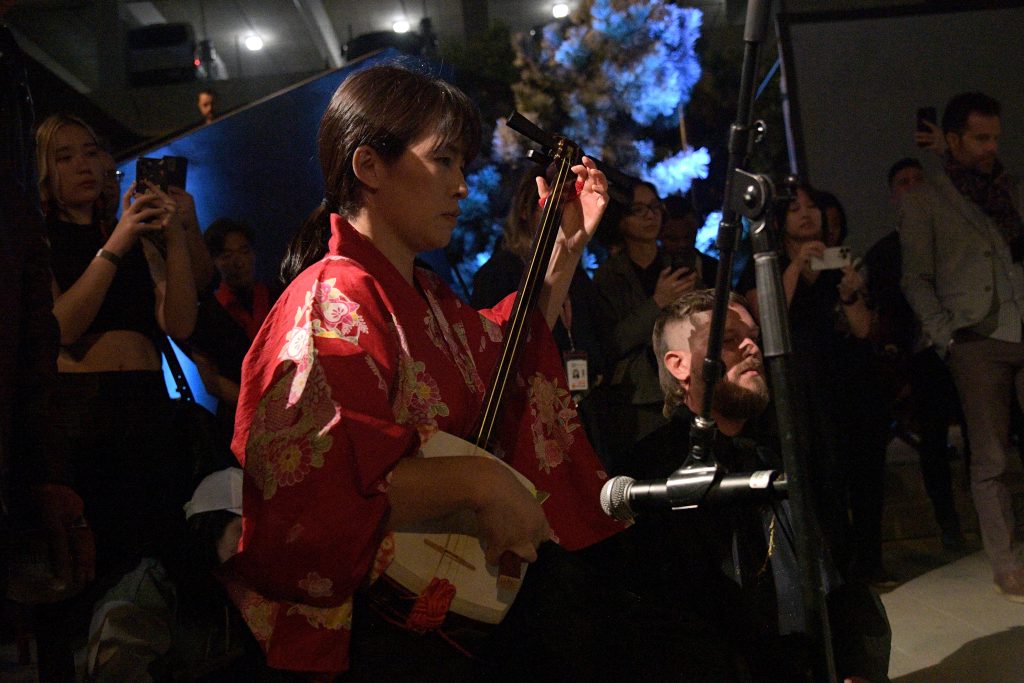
[
  {"x": 634, "y": 285},
  {"x": 364, "y": 360},
  {"x": 830, "y": 321},
  {"x": 114, "y": 292}
]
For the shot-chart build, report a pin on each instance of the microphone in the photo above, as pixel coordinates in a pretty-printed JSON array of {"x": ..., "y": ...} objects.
[{"x": 623, "y": 497}]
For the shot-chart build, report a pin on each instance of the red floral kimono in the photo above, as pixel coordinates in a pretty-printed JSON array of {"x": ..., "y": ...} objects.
[{"x": 352, "y": 370}]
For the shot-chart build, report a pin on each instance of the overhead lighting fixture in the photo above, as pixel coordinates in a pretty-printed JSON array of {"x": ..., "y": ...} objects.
[
  {"x": 400, "y": 26},
  {"x": 254, "y": 43},
  {"x": 560, "y": 10}
]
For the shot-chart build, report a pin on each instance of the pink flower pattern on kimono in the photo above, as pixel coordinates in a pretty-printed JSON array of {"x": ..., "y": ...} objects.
[
  {"x": 554, "y": 420},
  {"x": 260, "y": 614},
  {"x": 299, "y": 349},
  {"x": 337, "y": 315},
  {"x": 331, "y": 618},
  {"x": 418, "y": 398},
  {"x": 287, "y": 441},
  {"x": 317, "y": 586}
]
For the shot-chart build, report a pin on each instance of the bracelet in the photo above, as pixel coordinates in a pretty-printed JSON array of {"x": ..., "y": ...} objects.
[
  {"x": 110, "y": 256},
  {"x": 851, "y": 301}
]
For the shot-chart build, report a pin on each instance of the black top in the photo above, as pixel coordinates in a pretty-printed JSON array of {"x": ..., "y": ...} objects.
[{"x": 130, "y": 303}]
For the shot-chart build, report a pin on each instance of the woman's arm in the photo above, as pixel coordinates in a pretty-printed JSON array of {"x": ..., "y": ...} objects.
[
  {"x": 76, "y": 308},
  {"x": 172, "y": 276},
  {"x": 852, "y": 298},
  {"x": 509, "y": 517},
  {"x": 579, "y": 222},
  {"x": 199, "y": 256}
]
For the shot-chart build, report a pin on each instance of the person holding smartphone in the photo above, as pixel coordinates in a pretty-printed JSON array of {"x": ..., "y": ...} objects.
[
  {"x": 634, "y": 285},
  {"x": 830, "y": 322},
  {"x": 113, "y": 293}
]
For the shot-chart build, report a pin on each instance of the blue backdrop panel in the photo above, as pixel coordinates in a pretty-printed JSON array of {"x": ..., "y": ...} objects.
[{"x": 259, "y": 165}]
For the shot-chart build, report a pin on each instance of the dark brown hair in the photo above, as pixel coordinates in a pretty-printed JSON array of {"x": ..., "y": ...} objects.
[{"x": 387, "y": 107}]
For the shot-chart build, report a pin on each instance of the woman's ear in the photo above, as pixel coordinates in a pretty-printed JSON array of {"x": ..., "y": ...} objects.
[{"x": 368, "y": 167}]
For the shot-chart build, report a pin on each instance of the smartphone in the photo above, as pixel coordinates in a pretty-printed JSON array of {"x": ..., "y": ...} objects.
[
  {"x": 147, "y": 169},
  {"x": 686, "y": 259},
  {"x": 175, "y": 170},
  {"x": 929, "y": 115},
  {"x": 832, "y": 258},
  {"x": 163, "y": 172}
]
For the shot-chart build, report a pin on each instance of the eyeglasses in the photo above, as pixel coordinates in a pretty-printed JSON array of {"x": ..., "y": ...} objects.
[
  {"x": 113, "y": 175},
  {"x": 639, "y": 208}
]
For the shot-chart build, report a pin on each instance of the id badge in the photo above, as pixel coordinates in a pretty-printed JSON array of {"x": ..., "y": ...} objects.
[{"x": 576, "y": 370}]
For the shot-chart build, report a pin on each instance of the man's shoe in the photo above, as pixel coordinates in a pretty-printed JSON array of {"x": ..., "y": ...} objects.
[{"x": 1011, "y": 585}]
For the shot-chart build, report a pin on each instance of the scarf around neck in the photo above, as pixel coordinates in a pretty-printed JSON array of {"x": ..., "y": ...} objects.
[{"x": 991, "y": 192}]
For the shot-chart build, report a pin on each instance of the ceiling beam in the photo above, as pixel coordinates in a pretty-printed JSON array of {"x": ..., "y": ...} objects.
[{"x": 321, "y": 30}]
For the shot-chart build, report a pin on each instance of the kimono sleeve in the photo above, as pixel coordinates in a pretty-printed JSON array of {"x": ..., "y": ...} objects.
[{"x": 318, "y": 437}]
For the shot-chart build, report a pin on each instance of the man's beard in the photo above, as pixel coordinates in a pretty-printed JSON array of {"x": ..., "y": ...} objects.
[{"x": 737, "y": 402}]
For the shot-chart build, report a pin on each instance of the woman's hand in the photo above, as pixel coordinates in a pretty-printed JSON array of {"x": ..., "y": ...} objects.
[
  {"x": 172, "y": 220},
  {"x": 510, "y": 519},
  {"x": 142, "y": 216},
  {"x": 932, "y": 140},
  {"x": 807, "y": 251},
  {"x": 186, "y": 206},
  {"x": 852, "y": 284},
  {"x": 672, "y": 284},
  {"x": 581, "y": 216}
]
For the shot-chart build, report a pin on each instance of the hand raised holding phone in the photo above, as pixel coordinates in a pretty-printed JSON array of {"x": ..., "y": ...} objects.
[{"x": 142, "y": 215}]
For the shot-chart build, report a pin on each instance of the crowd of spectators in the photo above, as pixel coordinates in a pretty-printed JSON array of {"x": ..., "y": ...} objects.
[{"x": 132, "y": 265}]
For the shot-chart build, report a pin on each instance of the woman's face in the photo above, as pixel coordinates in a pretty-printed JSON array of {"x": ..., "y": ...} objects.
[
  {"x": 77, "y": 177},
  {"x": 642, "y": 221},
  {"x": 803, "y": 218},
  {"x": 420, "y": 193}
]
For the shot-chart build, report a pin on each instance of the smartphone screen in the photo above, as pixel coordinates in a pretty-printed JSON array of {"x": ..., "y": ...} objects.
[{"x": 685, "y": 259}]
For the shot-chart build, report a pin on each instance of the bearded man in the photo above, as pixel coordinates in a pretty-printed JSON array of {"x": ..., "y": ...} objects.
[{"x": 719, "y": 587}]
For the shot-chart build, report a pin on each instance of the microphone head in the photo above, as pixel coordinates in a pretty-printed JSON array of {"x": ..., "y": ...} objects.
[{"x": 614, "y": 499}]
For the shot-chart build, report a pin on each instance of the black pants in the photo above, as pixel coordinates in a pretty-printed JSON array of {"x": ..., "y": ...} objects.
[
  {"x": 935, "y": 404},
  {"x": 127, "y": 471}
]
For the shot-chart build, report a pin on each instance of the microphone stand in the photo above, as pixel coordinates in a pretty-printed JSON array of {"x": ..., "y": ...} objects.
[{"x": 751, "y": 195}]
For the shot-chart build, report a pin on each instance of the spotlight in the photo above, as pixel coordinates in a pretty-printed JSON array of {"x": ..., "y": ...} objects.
[
  {"x": 560, "y": 10},
  {"x": 254, "y": 43},
  {"x": 400, "y": 26}
]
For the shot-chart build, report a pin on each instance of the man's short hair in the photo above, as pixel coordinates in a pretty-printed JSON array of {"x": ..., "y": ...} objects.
[
  {"x": 960, "y": 107},
  {"x": 678, "y": 207},
  {"x": 680, "y": 310},
  {"x": 206, "y": 91},
  {"x": 220, "y": 229},
  {"x": 902, "y": 164}
]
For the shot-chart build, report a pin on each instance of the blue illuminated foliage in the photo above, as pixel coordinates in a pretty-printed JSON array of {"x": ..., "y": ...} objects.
[
  {"x": 614, "y": 78},
  {"x": 477, "y": 230}
]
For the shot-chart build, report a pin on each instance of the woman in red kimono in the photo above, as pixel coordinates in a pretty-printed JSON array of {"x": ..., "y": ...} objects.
[{"x": 364, "y": 358}]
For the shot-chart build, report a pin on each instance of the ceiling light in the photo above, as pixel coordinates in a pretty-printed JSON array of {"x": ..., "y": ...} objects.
[
  {"x": 400, "y": 26},
  {"x": 254, "y": 43},
  {"x": 560, "y": 10}
]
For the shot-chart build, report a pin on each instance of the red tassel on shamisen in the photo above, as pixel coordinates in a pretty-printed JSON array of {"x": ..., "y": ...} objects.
[{"x": 431, "y": 606}]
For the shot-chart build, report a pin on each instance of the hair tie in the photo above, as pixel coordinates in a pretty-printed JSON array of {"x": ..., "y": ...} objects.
[{"x": 323, "y": 202}]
